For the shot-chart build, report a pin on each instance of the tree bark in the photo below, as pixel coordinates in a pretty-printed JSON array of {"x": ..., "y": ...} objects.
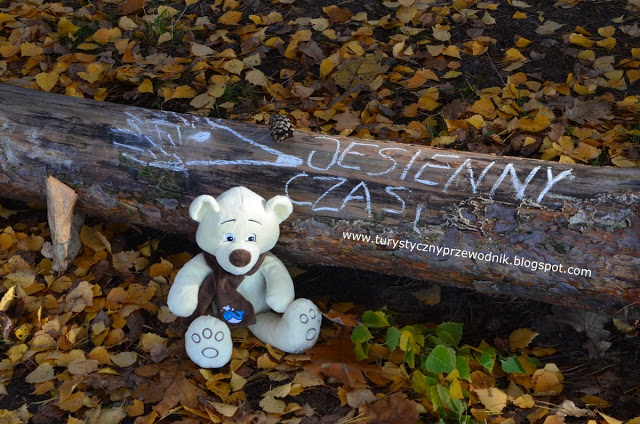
[{"x": 145, "y": 166}]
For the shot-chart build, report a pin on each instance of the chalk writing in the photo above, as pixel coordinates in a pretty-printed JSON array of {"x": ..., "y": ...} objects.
[{"x": 406, "y": 170}]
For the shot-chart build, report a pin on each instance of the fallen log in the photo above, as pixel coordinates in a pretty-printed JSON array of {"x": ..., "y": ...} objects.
[{"x": 561, "y": 233}]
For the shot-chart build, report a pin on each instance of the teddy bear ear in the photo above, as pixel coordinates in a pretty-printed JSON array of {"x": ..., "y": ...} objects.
[
  {"x": 201, "y": 206},
  {"x": 279, "y": 206}
]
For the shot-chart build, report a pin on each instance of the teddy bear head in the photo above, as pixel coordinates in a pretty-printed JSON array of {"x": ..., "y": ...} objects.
[{"x": 239, "y": 225}]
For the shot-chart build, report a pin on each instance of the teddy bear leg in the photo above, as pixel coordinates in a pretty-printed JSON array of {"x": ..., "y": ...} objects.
[
  {"x": 295, "y": 331},
  {"x": 208, "y": 342}
]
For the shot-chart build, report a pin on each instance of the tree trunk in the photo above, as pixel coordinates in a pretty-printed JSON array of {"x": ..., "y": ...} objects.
[{"x": 474, "y": 215}]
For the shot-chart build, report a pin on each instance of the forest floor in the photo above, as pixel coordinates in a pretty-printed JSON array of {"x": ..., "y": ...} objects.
[{"x": 554, "y": 80}]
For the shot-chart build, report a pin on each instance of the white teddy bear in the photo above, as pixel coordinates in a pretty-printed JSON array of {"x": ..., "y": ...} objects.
[{"x": 236, "y": 281}]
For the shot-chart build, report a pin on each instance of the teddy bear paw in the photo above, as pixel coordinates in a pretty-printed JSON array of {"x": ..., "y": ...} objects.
[
  {"x": 304, "y": 320},
  {"x": 208, "y": 342}
]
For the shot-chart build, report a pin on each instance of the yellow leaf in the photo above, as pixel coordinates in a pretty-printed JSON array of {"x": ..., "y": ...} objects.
[
  {"x": 522, "y": 43},
  {"x": 427, "y": 102},
  {"x": 324, "y": 114},
  {"x": 88, "y": 46},
  {"x": 126, "y": 24},
  {"x": 441, "y": 32},
  {"x": 272, "y": 405},
  {"x": 183, "y": 92},
  {"x": 580, "y": 40},
  {"x": 146, "y": 86},
  {"x": 237, "y": 382},
  {"x": 5, "y": 17},
  {"x": 545, "y": 383},
  {"x": 164, "y": 37},
  {"x": 607, "y": 31},
  {"x": 101, "y": 94},
  {"x": 162, "y": 268},
  {"x": 256, "y": 77},
  {"x": 149, "y": 340},
  {"x": 65, "y": 27},
  {"x": 476, "y": 120},
  {"x": 492, "y": 398},
  {"x": 633, "y": 75},
  {"x": 519, "y": 15},
  {"x": 231, "y": 17},
  {"x": 190, "y": 2},
  {"x": 485, "y": 107},
  {"x": 537, "y": 124},
  {"x": 475, "y": 48},
  {"x": 607, "y": 43},
  {"x": 94, "y": 70},
  {"x": 106, "y": 35},
  {"x": 444, "y": 140},
  {"x": 635, "y": 52},
  {"x": 234, "y": 66},
  {"x": 326, "y": 66},
  {"x": 253, "y": 60},
  {"x": 519, "y": 339},
  {"x": 124, "y": 359},
  {"x": 47, "y": 80},
  {"x": 451, "y": 51},
  {"x": 93, "y": 238},
  {"x": 587, "y": 55},
  {"x": 452, "y": 74},
  {"x": 224, "y": 408},
  {"x": 525, "y": 401},
  {"x": 167, "y": 11},
  {"x": 72, "y": 403},
  {"x": 420, "y": 77},
  {"x": 23, "y": 331},
  {"x": 455, "y": 390},
  {"x": 513, "y": 55},
  {"x": 609, "y": 420},
  {"x": 82, "y": 367},
  {"x": 28, "y": 49},
  {"x": 595, "y": 402},
  {"x": 10, "y": 50}
]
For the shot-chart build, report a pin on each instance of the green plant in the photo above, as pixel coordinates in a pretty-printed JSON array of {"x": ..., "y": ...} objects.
[
  {"x": 238, "y": 92},
  {"x": 442, "y": 368},
  {"x": 161, "y": 25}
]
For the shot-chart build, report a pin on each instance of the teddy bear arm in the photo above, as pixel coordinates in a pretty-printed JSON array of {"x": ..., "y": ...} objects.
[
  {"x": 280, "y": 291},
  {"x": 183, "y": 295}
]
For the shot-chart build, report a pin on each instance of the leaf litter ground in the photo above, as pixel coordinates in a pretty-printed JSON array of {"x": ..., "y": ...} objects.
[
  {"x": 97, "y": 344},
  {"x": 550, "y": 80}
]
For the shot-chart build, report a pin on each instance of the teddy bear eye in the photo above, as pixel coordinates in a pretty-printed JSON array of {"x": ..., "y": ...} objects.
[
  {"x": 229, "y": 237},
  {"x": 252, "y": 237}
]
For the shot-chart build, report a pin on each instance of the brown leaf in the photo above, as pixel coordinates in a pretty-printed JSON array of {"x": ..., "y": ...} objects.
[
  {"x": 336, "y": 359},
  {"x": 395, "y": 409},
  {"x": 63, "y": 223},
  {"x": 338, "y": 14},
  {"x": 79, "y": 298},
  {"x": 130, "y": 7},
  {"x": 589, "y": 111}
]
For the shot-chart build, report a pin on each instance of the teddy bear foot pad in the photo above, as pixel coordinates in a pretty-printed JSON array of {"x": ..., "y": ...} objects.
[
  {"x": 208, "y": 342},
  {"x": 297, "y": 330}
]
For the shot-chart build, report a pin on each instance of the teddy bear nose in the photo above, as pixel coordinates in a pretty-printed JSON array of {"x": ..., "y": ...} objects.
[{"x": 240, "y": 257}]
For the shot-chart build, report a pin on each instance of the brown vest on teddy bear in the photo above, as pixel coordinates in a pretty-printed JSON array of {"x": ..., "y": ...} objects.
[{"x": 221, "y": 286}]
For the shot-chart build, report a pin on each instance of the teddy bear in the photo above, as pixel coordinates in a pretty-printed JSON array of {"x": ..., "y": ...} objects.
[{"x": 237, "y": 282}]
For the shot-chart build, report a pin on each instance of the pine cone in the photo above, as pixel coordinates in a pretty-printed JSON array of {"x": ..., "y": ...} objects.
[{"x": 280, "y": 128}]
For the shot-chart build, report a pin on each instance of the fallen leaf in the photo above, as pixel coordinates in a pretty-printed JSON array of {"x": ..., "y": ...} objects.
[
  {"x": 519, "y": 339},
  {"x": 44, "y": 372},
  {"x": 492, "y": 398}
]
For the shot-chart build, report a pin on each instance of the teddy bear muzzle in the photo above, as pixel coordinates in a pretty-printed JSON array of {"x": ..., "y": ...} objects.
[{"x": 240, "y": 258}]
